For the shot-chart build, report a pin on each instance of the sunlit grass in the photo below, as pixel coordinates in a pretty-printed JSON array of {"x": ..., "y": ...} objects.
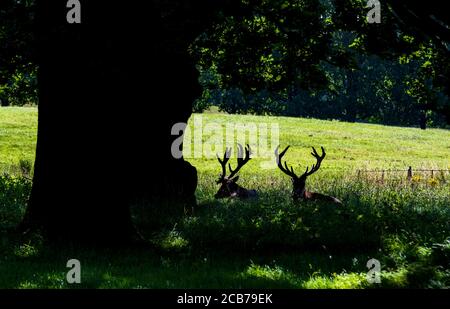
[
  {"x": 349, "y": 145},
  {"x": 337, "y": 281},
  {"x": 18, "y": 131}
]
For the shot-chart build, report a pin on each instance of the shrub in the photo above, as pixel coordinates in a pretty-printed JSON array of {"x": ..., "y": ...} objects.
[{"x": 14, "y": 193}]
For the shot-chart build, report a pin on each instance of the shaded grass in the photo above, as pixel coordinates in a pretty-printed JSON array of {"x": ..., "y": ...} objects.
[
  {"x": 25, "y": 266},
  {"x": 259, "y": 244}
]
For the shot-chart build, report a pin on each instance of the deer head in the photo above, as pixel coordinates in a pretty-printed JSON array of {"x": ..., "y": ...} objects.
[
  {"x": 299, "y": 191},
  {"x": 228, "y": 184}
]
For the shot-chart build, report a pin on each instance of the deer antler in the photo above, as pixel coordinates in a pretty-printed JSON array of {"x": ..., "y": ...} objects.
[
  {"x": 286, "y": 169},
  {"x": 315, "y": 167},
  {"x": 240, "y": 160},
  {"x": 223, "y": 163}
]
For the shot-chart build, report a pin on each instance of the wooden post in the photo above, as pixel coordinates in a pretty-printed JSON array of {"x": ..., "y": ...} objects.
[
  {"x": 382, "y": 177},
  {"x": 410, "y": 173}
]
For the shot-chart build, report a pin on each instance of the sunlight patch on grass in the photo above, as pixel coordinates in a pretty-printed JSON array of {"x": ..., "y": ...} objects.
[
  {"x": 26, "y": 251},
  {"x": 275, "y": 274},
  {"x": 337, "y": 281},
  {"x": 395, "y": 279},
  {"x": 173, "y": 241}
]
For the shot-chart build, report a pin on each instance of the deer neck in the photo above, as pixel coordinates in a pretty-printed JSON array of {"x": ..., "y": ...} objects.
[{"x": 299, "y": 188}]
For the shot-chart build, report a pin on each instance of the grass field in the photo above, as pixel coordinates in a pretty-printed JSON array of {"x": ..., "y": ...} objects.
[
  {"x": 349, "y": 145},
  {"x": 18, "y": 128},
  {"x": 269, "y": 242}
]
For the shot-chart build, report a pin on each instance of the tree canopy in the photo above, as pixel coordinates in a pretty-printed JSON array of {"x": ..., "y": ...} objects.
[
  {"x": 278, "y": 50},
  {"x": 18, "y": 61},
  {"x": 261, "y": 56}
]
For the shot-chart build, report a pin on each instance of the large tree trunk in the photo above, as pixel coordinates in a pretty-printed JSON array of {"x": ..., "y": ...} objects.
[{"x": 110, "y": 90}]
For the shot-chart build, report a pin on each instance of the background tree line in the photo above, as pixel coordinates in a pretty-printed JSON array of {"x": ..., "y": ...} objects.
[
  {"x": 18, "y": 64},
  {"x": 322, "y": 59},
  {"x": 379, "y": 90}
]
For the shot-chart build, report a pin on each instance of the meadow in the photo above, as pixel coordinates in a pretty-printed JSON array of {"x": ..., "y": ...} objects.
[{"x": 268, "y": 242}]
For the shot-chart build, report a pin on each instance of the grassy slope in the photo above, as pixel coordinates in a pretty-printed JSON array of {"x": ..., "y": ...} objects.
[
  {"x": 17, "y": 135},
  {"x": 348, "y": 146}
]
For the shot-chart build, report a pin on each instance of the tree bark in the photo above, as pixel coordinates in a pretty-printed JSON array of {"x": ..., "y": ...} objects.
[
  {"x": 423, "y": 120},
  {"x": 110, "y": 90},
  {"x": 4, "y": 101}
]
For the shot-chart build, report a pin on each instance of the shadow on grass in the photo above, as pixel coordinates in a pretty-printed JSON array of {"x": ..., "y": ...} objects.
[
  {"x": 265, "y": 243},
  {"x": 28, "y": 265}
]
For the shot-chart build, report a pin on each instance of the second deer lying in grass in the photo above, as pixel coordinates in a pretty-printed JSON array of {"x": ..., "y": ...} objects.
[
  {"x": 229, "y": 186},
  {"x": 299, "y": 191}
]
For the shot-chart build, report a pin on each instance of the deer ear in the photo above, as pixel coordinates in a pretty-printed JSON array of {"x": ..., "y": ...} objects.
[{"x": 235, "y": 179}]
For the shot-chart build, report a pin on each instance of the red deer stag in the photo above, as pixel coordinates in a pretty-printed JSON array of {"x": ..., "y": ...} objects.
[
  {"x": 299, "y": 191},
  {"x": 229, "y": 187}
]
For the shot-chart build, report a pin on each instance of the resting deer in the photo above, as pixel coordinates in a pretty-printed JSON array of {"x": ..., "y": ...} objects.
[
  {"x": 229, "y": 187},
  {"x": 299, "y": 191}
]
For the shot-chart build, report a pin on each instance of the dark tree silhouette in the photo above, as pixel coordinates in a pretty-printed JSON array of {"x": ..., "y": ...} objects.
[{"x": 110, "y": 90}]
